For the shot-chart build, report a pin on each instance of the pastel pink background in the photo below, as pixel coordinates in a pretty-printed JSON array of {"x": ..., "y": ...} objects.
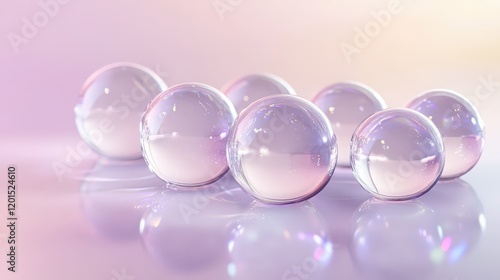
[{"x": 429, "y": 44}]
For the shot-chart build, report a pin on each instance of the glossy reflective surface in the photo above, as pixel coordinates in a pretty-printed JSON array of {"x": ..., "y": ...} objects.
[
  {"x": 297, "y": 227},
  {"x": 248, "y": 89},
  {"x": 397, "y": 154},
  {"x": 114, "y": 196},
  {"x": 282, "y": 149},
  {"x": 184, "y": 134},
  {"x": 110, "y": 106},
  {"x": 186, "y": 228},
  {"x": 122, "y": 221},
  {"x": 460, "y": 125},
  {"x": 432, "y": 236},
  {"x": 346, "y": 105}
]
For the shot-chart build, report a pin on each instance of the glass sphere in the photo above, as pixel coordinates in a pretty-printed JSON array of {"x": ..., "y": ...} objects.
[
  {"x": 184, "y": 134},
  {"x": 346, "y": 105},
  {"x": 460, "y": 125},
  {"x": 282, "y": 149},
  {"x": 110, "y": 106},
  {"x": 245, "y": 90},
  {"x": 397, "y": 154}
]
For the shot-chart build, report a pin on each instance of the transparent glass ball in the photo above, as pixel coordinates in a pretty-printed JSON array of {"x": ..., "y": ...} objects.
[
  {"x": 397, "y": 154},
  {"x": 110, "y": 106},
  {"x": 245, "y": 90},
  {"x": 282, "y": 149},
  {"x": 346, "y": 105},
  {"x": 184, "y": 134},
  {"x": 460, "y": 125}
]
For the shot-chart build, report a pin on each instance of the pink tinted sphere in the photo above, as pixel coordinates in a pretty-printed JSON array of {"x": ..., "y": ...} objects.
[
  {"x": 110, "y": 106},
  {"x": 245, "y": 90},
  {"x": 397, "y": 154},
  {"x": 184, "y": 134},
  {"x": 460, "y": 125},
  {"x": 282, "y": 149},
  {"x": 346, "y": 105}
]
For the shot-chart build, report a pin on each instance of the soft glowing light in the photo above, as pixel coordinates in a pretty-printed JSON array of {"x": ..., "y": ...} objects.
[
  {"x": 437, "y": 256},
  {"x": 440, "y": 231},
  {"x": 231, "y": 269},
  {"x": 264, "y": 151},
  {"x": 482, "y": 222},
  {"x": 457, "y": 252},
  {"x": 142, "y": 224},
  {"x": 362, "y": 241},
  {"x": 318, "y": 253},
  {"x": 155, "y": 222},
  {"x": 230, "y": 246},
  {"x": 446, "y": 244}
]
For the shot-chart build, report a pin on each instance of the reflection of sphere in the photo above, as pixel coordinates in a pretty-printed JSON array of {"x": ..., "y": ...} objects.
[
  {"x": 115, "y": 194},
  {"x": 397, "y": 154},
  {"x": 394, "y": 240},
  {"x": 186, "y": 227},
  {"x": 346, "y": 105},
  {"x": 435, "y": 231},
  {"x": 184, "y": 134},
  {"x": 231, "y": 191},
  {"x": 337, "y": 202},
  {"x": 248, "y": 89},
  {"x": 460, "y": 219},
  {"x": 282, "y": 149},
  {"x": 279, "y": 242},
  {"x": 110, "y": 106},
  {"x": 460, "y": 125}
]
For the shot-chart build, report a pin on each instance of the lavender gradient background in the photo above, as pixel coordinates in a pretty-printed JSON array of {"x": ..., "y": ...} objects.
[{"x": 428, "y": 44}]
